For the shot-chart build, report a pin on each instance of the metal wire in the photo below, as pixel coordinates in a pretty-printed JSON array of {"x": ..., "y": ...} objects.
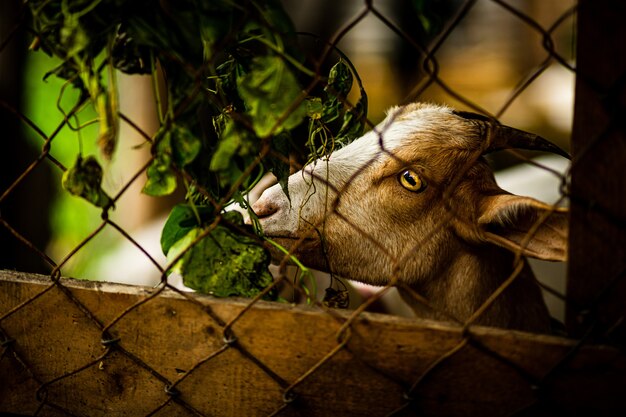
[{"x": 228, "y": 340}]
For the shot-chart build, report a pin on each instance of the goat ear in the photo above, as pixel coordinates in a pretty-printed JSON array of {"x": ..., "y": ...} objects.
[{"x": 525, "y": 225}]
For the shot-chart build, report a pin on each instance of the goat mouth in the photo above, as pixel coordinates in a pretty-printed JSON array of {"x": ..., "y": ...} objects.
[
  {"x": 302, "y": 248},
  {"x": 291, "y": 239},
  {"x": 291, "y": 236}
]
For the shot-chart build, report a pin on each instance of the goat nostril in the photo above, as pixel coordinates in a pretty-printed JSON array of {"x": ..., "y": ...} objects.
[{"x": 264, "y": 209}]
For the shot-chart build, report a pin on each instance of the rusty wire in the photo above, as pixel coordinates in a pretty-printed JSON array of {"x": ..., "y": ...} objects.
[{"x": 228, "y": 339}]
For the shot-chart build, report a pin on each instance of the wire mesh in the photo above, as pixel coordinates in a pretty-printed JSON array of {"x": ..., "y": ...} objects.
[{"x": 225, "y": 338}]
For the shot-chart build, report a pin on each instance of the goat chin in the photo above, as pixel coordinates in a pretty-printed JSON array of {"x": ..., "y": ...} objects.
[
  {"x": 414, "y": 201},
  {"x": 306, "y": 249}
]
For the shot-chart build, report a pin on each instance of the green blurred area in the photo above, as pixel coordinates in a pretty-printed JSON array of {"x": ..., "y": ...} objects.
[{"x": 72, "y": 219}]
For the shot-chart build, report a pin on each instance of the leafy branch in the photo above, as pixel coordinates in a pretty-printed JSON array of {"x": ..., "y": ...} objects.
[{"x": 233, "y": 109}]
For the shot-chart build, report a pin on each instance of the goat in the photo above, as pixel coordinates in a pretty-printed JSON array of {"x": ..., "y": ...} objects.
[{"x": 414, "y": 203}]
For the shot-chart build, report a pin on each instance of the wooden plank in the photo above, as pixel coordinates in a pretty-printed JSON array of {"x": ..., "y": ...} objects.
[
  {"x": 169, "y": 337},
  {"x": 597, "y": 276}
]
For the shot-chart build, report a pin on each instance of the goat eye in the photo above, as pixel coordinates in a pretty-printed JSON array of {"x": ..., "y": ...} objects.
[{"x": 410, "y": 180}]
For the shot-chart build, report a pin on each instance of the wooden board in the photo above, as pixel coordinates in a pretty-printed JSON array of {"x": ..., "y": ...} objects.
[{"x": 56, "y": 361}]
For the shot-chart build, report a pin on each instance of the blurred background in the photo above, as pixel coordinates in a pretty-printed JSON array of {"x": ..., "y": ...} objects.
[{"x": 493, "y": 61}]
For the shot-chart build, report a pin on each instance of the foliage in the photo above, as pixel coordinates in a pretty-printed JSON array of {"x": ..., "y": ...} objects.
[
  {"x": 220, "y": 261},
  {"x": 84, "y": 179},
  {"x": 233, "y": 107}
]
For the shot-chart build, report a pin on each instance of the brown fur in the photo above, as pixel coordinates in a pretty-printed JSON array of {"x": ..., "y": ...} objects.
[{"x": 454, "y": 243}]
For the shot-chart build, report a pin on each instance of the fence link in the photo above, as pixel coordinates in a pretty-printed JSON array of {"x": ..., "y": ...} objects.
[{"x": 453, "y": 57}]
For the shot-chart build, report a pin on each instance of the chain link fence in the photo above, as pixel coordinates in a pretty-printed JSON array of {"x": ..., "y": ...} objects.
[{"x": 88, "y": 348}]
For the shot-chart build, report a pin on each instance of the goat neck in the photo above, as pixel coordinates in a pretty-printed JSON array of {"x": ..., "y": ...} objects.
[{"x": 468, "y": 282}]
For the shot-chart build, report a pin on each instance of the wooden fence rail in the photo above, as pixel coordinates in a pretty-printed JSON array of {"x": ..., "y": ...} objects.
[
  {"x": 82, "y": 348},
  {"x": 278, "y": 358}
]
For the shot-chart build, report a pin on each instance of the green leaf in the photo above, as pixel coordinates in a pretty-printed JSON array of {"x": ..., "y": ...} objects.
[
  {"x": 236, "y": 148},
  {"x": 84, "y": 180},
  {"x": 278, "y": 19},
  {"x": 339, "y": 85},
  {"x": 353, "y": 122},
  {"x": 72, "y": 36},
  {"x": 214, "y": 26},
  {"x": 225, "y": 263},
  {"x": 182, "y": 219},
  {"x": 161, "y": 178},
  {"x": 279, "y": 167},
  {"x": 178, "y": 248},
  {"x": 231, "y": 140},
  {"x": 314, "y": 108},
  {"x": 173, "y": 144},
  {"x": 339, "y": 79},
  {"x": 185, "y": 145},
  {"x": 269, "y": 91}
]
